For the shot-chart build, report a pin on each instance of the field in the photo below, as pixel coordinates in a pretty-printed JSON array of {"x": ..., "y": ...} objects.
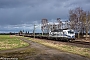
[
  {"x": 39, "y": 49},
  {"x": 13, "y": 47},
  {"x": 11, "y": 42}
]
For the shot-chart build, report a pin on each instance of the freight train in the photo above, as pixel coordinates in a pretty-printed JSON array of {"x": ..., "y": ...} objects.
[{"x": 58, "y": 34}]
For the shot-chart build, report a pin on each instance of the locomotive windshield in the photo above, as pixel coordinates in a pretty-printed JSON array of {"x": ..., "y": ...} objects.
[{"x": 71, "y": 32}]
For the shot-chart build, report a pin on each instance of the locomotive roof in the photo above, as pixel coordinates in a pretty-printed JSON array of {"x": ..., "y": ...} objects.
[{"x": 58, "y": 30}]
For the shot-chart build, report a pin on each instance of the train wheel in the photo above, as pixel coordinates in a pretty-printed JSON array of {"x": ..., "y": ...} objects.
[{"x": 69, "y": 40}]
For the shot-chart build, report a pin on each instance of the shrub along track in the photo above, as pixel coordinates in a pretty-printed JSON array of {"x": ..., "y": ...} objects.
[{"x": 46, "y": 53}]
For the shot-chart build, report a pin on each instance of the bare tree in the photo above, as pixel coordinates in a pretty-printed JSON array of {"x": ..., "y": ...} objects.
[
  {"x": 20, "y": 32},
  {"x": 80, "y": 20},
  {"x": 44, "y": 25},
  {"x": 87, "y": 24},
  {"x": 60, "y": 23},
  {"x": 75, "y": 19},
  {"x": 54, "y": 26}
]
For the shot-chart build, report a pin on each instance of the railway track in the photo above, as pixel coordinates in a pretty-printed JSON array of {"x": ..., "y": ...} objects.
[
  {"x": 81, "y": 42},
  {"x": 76, "y": 42}
]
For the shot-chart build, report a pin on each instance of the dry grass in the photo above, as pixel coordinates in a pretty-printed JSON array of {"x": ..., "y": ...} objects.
[
  {"x": 66, "y": 48},
  {"x": 10, "y": 42},
  {"x": 21, "y": 55}
]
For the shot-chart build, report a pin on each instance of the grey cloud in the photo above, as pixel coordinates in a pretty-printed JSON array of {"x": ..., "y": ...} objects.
[
  {"x": 12, "y": 3},
  {"x": 19, "y": 3},
  {"x": 17, "y": 28},
  {"x": 19, "y": 12}
]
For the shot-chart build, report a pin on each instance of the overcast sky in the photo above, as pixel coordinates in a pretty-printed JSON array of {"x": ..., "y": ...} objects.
[{"x": 16, "y": 15}]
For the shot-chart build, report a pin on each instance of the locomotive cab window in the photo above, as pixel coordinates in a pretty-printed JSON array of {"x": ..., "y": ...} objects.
[{"x": 71, "y": 32}]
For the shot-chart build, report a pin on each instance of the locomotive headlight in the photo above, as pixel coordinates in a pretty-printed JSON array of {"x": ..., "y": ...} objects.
[{"x": 73, "y": 36}]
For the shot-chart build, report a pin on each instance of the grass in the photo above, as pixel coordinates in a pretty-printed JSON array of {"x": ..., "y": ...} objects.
[
  {"x": 10, "y": 42},
  {"x": 67, "y": 48},
  {"x": 21, "y": 55}
]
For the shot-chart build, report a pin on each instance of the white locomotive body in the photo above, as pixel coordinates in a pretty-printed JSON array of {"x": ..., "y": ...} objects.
[{"x": 63, "y": 33}]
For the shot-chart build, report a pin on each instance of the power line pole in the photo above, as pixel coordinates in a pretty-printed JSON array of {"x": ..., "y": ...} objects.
[{"x": 34, "y": 30}]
